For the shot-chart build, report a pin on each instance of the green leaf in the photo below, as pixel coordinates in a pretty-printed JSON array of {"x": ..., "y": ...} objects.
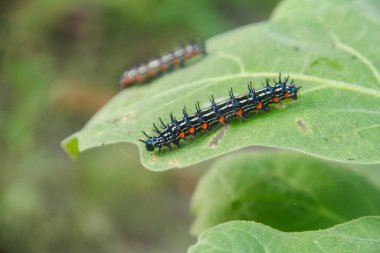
[
  {"x": 286, "y": 191},
  {"x": 331, "y": 48},
  {"x": 361, "y": 235}
]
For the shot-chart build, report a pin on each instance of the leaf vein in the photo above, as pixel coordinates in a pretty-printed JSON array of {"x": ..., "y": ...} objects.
[
  {"x": 356, "y": 53},
  {"x": 234, "y": 58}
]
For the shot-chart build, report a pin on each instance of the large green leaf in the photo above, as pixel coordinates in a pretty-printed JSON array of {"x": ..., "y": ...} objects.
[
  {"x": 286, "y": 191},
  {"x": 361, "y": 235},
  {"x": 331, "y": 48}
]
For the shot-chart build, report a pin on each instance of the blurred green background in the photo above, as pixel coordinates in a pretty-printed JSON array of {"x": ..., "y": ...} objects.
[{"x": 60, "y": 62}]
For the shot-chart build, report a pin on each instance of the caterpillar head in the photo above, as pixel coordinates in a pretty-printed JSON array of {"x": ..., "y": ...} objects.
[
  {"x": 150, "y": 142},
  {"x": 199, "y": 47},
  {"x": 292, "y": 90}
]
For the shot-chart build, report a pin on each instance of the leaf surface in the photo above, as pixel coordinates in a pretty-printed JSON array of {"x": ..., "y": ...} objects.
[
  {"x": 361, "y": 235},
  {"x": 287, "y": 191},
  {"x": 329, "y": 47}
]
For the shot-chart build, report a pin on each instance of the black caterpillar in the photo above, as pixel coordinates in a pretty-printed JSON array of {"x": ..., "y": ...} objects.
[
  {"x": 220, "y": 113},
  {"x": 161, "y": 64}
]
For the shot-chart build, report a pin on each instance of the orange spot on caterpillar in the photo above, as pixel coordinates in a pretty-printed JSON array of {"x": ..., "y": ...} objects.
[
  {"x": 164, "y": 67},
  {"x": 221, "y": 119},
  {"x": 187, "y": 56},
  {"x": 275, "y": 99},
  {"x": 181, "y": 134},
  {"x": 204, "y": 125},
  {"x": 191, "y": 130},
  {"x": 126, "y": 81},
  {"x": 140, "y": 78},
  {"x": 176, "y": 61},
  {"x": 239, "y": 112},
  {"x": 286, "y": 94},
  {"x": 151, "y": 73},
  {"x": 259, "y": 106}
]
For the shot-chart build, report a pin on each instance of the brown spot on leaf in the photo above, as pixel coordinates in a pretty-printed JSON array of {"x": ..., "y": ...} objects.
[
  {"x": 127, "y": 116},
  {"x": 215, "y": 141},
  {"x": 153, "y": 157},
  {"x": 174, "y": 162},
  {"x": 301, "y": 124}
]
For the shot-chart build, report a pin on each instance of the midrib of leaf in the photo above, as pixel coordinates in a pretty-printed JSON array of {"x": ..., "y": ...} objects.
[{"x": 323, "y": 82}]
